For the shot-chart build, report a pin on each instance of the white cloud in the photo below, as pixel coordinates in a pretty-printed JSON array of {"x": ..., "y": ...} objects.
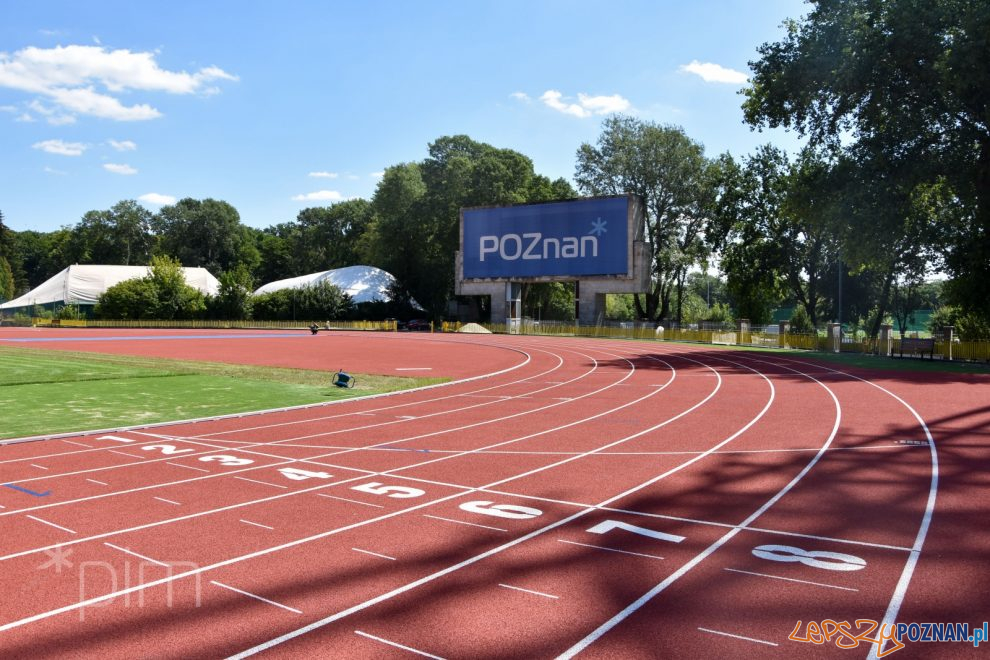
[
  {"x": 85, "y": 79},
  {"x": 319, "y": 196},
  {"x": 155, "y": 199},
  {"x": 521, "y": 96},
  {"x": 586, "y": 105},
  {"x": 324, "y": 175},
  {"x": 50, "y": 170},
  {"x": 61, "y": 148},
  {"x": 123, "y": 145},
  {"x": 8, "y": 108},
  {"x": 378, "y": 175},
  {"x": 552, "y": 97},
  {"x": 52, "y": 116},
  {"x": 603, "y": 105},
  {"x": 119, "y": 169},
  {"x": 25, "y": 118},
  {"x": 715, "y": 73}
]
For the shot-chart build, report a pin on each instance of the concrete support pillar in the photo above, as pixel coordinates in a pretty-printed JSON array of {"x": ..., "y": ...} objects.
[
  {"x": 742, "y": 332},
  {"x": 591, "y": 305},
  {"x": 886, "y": 342},
  {"x": 834, "y": 338},
  {"x": 782, "y": 329},
  {"x": 513, "y": 307}
]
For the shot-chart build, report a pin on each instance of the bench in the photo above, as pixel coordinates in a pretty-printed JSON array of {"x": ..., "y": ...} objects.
[{"x": 915, "y": 346}]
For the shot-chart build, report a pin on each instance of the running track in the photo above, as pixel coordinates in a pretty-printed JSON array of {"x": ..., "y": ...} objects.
[{"x": 563, "y": 497}]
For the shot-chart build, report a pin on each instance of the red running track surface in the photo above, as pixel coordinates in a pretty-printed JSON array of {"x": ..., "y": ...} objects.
[{"x": 596, "y": 498}]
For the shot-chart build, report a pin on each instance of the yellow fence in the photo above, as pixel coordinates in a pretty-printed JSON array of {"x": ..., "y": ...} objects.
[{"x": 202, "y": 324}]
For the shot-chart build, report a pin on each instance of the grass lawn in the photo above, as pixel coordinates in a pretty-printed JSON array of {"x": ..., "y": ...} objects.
[{"x": 44, "y": 392}]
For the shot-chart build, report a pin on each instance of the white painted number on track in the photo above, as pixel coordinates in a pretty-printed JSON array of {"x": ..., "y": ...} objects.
[
  {"x": 228, "y": 461},
  {"x": 113, "y": 437},
  {"x": 400, "y": 492},
  {"x": 511, "y": 511},
  {"x": 609, "y": 525},
  {"x": 166, "y": 449},
  {"x": 830, "y": 561},
  {"x": 298, "y": 474}
]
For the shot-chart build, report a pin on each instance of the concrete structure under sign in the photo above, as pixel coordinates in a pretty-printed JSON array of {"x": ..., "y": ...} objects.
[{"x": 598, "y": 243}]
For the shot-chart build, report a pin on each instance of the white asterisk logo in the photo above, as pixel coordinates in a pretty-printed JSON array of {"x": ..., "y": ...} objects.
[
  {"x": 598, "y": 227},
  {"x": 59, "y": 557}
]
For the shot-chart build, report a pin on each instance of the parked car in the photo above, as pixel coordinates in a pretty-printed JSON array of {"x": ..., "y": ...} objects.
[{"x": 418, "y": 325}]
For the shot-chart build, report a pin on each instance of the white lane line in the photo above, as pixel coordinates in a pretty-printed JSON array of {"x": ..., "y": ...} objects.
[
  {"x": 369, "y": 552},
  {"x": 188, "y": 467},
  {"x": 406, "y": 416},
  {"x": 256, "y": 597},
  {"x": 51, "y": 524},
  {"x": 124, "y": 453},
  {"x": 98, "y": 482},
  {"x": 601, "y": 547},
  {"x": 399, "y": 646},
  {"x": 248, "y": 522},
  {"x": 897, "y": 599},
  {"x": 779, "y": 577},
  {"x": 335, "y": 497},
  {"x": 78, "y": 444},
  {"x": 414, "y": 368},
  {"x": 162, "y": 499},
  {"x": 529, "y": 591},
  {"x": 263, "y": 483},
  {"x": 748, "y": 639},
  {"x": 40, "y": 467},
  {"x": 297, "y": 542},
  {"x": 131, "y": 552},
  {"x": 461, "y": 522}
]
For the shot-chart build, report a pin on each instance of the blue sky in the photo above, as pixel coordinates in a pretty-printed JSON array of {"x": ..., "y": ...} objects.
[{"x": 277, "y": 106}]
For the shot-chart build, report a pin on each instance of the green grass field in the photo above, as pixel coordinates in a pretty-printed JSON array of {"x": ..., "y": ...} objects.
[{"x": 45, "y": 392}]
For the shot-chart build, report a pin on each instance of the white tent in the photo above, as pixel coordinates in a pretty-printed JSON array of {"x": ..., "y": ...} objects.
[
  {"x": 83, "y": 285},
  {"x": 361, "y": 283}
]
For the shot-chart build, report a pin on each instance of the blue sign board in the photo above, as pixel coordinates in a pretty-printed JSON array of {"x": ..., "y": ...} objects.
[{"x": 580, "y": 237}]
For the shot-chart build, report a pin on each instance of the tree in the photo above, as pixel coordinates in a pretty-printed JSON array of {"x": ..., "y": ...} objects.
[
  {"x": 233, "y": 299},
  {"x": 205, "y": 233},
  {"x": 130, "y": 299},
  {"x": 121, "y": 236},
  {"x": 668, "y": 169},
  {"x": 161, "y": 294},
  {"x": 7, "y": 287},
  {"x": 41, "y": 255},
  {"x": 6, "y": 240},
  {"x": 6, "y": 280},
  {"x": 328, "y": 237},
  {"x": 400, "y": 238},
  {"x": 901, "y": 88},
  {"x": 275, "y": 249}
]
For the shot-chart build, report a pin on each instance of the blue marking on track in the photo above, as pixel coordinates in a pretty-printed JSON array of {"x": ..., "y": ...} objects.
[
  {"x": 153, "y": 337},
  {"x": 29, "y": 492}
]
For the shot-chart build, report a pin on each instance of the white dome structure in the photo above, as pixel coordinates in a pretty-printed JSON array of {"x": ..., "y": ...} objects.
[{"x": 361, "y": 283}]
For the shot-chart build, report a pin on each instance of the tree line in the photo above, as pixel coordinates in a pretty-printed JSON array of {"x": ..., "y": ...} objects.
[{"x": 886, "y": 208}]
